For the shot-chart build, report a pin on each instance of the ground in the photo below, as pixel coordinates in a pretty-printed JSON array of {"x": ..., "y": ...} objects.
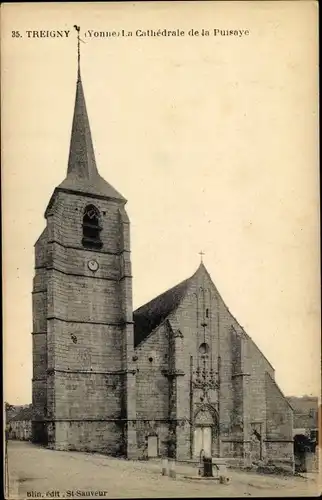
[{"x": 38, "y": 472}]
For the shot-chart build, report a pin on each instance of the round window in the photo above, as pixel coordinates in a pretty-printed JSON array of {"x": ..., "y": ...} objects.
[{"x": 204, "y": 348}]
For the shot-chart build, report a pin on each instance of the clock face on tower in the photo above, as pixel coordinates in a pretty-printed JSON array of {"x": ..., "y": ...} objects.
[{"x": 93, "y": 265}]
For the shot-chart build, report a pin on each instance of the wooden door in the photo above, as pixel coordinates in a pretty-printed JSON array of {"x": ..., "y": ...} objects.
[
  {"x": 202, "y": 441},
  {"x": 207, "y": 441},
  {"x": 152, "y": 446},
  {"x": 197, "y": 441}
]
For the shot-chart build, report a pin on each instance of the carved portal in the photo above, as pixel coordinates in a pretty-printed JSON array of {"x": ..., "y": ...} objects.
[
  {"x": 205, "y": 384},
  {"x": 205, "y": 435}
]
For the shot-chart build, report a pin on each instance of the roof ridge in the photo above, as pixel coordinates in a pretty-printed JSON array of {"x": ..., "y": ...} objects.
[
  {"x": 24, "y": 412},
  {"x": 162, "y": 294},
  {"x": 151, "y": 314}
]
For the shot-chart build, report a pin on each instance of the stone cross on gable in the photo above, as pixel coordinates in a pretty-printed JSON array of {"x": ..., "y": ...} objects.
[{"x": 201, "y": 253}]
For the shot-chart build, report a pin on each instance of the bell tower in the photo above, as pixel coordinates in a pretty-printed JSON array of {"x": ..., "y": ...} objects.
[{"x": 83, "y": 378}]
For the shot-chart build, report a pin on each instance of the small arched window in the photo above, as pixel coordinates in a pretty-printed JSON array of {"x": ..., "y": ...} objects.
[{"x": 91, "y": 228}]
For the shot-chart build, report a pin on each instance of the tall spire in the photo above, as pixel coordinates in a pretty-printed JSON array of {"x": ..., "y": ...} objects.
[{"x": 82, "y": 173}]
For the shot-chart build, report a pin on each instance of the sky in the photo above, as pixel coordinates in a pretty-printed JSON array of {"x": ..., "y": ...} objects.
[{"x": 213, "y": 140}]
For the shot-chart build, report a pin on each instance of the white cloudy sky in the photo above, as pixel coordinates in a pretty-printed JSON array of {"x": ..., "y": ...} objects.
[{"x": 212, "y": 140}]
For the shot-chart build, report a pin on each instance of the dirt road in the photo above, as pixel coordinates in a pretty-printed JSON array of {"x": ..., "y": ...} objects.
[{"x": 36, "y": 472}]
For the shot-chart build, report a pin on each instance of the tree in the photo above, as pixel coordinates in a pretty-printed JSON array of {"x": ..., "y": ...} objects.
[{"x": 8, "y": 407}]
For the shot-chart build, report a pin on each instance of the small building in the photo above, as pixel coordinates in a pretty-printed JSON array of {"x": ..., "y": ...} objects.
[
  {"x": 13, "y": 410},
  {"x": 305, "y": 410},
  {"x": 19, "y": 427},
  {"x": 305, "y": 433}
]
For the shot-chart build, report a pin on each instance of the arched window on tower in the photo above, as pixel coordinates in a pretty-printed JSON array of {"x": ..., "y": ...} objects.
[{"x": 91, "y": 228}]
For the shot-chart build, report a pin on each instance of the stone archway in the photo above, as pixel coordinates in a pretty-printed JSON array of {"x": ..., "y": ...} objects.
[{"x": 205, "y": 432}]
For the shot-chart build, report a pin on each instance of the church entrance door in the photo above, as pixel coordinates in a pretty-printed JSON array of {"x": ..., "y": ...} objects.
[
  {"x": 202, "y": 441},
  {"x": 152, "y": 446}
]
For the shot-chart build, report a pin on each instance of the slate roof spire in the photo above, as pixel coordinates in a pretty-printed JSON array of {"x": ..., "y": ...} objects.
[{"x": 82, "y": 172}]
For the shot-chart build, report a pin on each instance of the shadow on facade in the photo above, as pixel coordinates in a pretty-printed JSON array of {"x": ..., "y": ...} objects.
[{"x": 39, "y": 433}]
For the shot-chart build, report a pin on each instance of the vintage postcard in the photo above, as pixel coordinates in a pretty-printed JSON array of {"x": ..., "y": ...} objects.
[{"x": 161, "y": 269}]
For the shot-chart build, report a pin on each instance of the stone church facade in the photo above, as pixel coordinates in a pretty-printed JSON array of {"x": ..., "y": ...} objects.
[{"x": 178, "y": 376}]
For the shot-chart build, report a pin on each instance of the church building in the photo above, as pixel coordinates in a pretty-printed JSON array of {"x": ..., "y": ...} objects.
[{"x": 178, "y": 377}]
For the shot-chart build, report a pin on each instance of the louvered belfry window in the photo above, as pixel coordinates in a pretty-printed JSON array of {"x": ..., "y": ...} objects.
[{"x": 91, "y": 228}]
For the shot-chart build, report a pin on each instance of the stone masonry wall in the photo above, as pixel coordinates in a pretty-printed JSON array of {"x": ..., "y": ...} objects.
[
  {"x": 152, "y": 390},
  {"x": 279, "y": 426},
  {"x": 128, "y": 402},
  {"x": 39, "y": 340},
  {"x": 152, "y": 385},
  {"x": 200, "y": 307},
  {"x": 146, "y": 428},
  {"x": 101, "y": 436},
  {"x": 67, "y": 216},
  {"x": 85, "y": 316},
  {"x": 236, "y": 351},
  {"x": 84, "y": 362},
  {"x": 257, "y": 366}
]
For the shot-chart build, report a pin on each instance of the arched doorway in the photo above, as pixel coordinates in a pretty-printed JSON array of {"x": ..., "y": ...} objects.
[
  {"x": 205, "y": 435},
  {"x": 302, "y": 450}
]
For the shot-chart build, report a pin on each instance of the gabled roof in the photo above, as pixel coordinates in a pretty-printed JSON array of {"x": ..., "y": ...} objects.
[
  {"x": 150, "y": 315},
  {"x": 23, "y": 414}
]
